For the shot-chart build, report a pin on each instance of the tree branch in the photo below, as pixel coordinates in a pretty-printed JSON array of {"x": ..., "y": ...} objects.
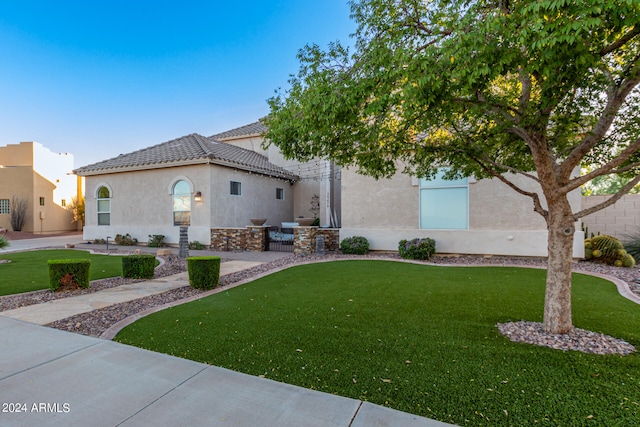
[
  {"x": 620, "y": 42},
  {"x": 611, "y": 200},
  {"x": 615, "y": 99},
  {"x": 605, "y": 169},
  {"x": 537, "y": 206}
]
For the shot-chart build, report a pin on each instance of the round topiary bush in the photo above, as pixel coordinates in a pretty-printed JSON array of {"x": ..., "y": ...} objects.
[
  {"x": 357, "y": 245},
  {"x": 422, "y": 249}
]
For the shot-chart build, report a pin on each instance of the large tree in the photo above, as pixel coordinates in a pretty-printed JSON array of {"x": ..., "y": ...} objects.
[{"x": 487, "y": 88}]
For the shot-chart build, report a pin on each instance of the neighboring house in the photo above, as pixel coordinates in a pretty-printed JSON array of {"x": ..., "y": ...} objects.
[
  {"x": 194, "y": 181},
  {"x": 317, "y": 191},
  {"x": 466, "y": 216},
  {"x": 32, "y": 173}
]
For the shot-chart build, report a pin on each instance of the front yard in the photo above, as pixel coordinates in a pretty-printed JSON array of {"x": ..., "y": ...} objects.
[
  {"x": 29, "y": 271},
  {"x": 421, "y": 339}
]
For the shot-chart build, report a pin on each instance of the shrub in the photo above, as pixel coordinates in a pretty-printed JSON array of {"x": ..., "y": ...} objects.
[
  {"x": 204, "y": 271},
  {"x": 417, "y": 248},
  {"x": 196, "y": 246},
  {"x": 316, "y": 222},
  {"x": 607, "y": 250},
  {"x": 69, "y": 272},
  {"x": 156, "y": 241},
  {"x": 99, "y": 241},
  {"x": 138, "y": 266},
  {"x": 631, "y": 243},
  {"x": 4, "y": 242},
  {"x": 357, "y": 245},
  {"x": 125, "y": 240}
]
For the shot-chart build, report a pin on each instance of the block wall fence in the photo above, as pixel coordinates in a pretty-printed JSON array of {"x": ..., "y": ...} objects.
[{"x": 618, "y": 220}]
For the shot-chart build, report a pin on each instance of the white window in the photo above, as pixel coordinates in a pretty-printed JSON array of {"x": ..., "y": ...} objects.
[
  {"x": 181, "y": 203},
  {"x": 4, "y": 206},
  {"x": 280, "y": 193},
  {"x": 104, "y": 206},
  {"x": 236, "y": 188},
  {"x": 444, "y": 204}
]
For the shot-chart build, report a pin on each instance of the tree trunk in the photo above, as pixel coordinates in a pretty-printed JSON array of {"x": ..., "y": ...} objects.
[{"x": 557, "y": 304}]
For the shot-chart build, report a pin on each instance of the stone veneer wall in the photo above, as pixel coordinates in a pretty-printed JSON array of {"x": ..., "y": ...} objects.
[
  {"x": 253, "y": 238},
  {"x": 304, "y": 239},
  {"x": 331, "y": 238}
]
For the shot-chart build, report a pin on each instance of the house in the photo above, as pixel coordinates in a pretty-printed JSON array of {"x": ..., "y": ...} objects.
[
  {"x": 465, "y": 216},
  {"x": 316, "y": 192},
  {"x": 40, "y": 179},
  {"x": 191, "y": 181}
]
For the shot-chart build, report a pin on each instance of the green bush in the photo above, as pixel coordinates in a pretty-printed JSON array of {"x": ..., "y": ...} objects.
[
  {"x": 204, "y": 271},
  {"x": 196, "y": 246},
  {"x": 631, "y": 243},
  {"x": 417, "y": 248},
  {"x": 357, "y": 245},
  {"x": 4, "y": 242},
  {"x": 138, "y": 266},
  {"x": 125, "y": 240},
  {"x": 71, "y": 272},
  {"x": 156, "y": 241},
  {"x": 99, "y": 241},
  {"x": 316, "y": 222}
]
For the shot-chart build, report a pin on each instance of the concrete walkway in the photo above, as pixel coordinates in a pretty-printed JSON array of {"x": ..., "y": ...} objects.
[
  {"x": 50, "y": 377},
  {"x": 41, "y": 314}
]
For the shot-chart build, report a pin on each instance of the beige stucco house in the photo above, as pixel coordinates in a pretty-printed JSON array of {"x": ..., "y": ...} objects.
[
  {"x": 195, "y": 181},
  {"x": 42, "y": 178},
  {"x": 317, "y": 190},
  {"x": 465, "y": 216}
]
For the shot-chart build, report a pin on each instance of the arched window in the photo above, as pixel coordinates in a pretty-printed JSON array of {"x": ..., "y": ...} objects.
[
  {"x": 104, "y": 206},
  {"x": 181, "y": 203}
]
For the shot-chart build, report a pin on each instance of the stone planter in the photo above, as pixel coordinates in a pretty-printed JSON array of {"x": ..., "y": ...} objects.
[{"x": 305, "y": 222}]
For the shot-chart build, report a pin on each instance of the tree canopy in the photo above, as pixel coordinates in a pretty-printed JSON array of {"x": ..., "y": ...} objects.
[
  {"x": 534, "y": 88},
  {"x": 474, "y": 85}
]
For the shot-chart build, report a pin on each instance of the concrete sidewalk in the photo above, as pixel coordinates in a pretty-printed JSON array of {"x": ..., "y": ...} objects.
[{"x": 50, "y": 377}]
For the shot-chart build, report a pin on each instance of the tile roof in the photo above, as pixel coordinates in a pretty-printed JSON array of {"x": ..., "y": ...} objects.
[
  {"x": 251, "y": 129},
  {"x": 189, "y": 149}
]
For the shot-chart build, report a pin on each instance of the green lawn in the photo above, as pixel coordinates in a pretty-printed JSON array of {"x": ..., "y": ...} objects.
[
  {"x": 28, "y": 271},
  {"x": 417, "y": 338}
]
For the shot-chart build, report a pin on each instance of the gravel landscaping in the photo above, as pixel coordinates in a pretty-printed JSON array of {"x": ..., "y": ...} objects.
[{"x": 95, "y": 323}]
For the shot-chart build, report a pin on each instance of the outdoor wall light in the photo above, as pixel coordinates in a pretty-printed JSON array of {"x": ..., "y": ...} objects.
[{"x": 198, "y": 197}]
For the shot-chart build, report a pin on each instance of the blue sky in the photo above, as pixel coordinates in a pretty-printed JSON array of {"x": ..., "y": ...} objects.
[{"x": 101, "y": 78}]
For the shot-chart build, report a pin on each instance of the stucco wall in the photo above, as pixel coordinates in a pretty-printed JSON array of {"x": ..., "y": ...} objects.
[
  {"x": 258, "y": 199},
  {"x": 141, "y": 202},
  {"x": 23, "y": 182},
  {"x": 17, "y": 181},
  {"x": 501, "y": 221},
  {"x": 622, "y": 218}
]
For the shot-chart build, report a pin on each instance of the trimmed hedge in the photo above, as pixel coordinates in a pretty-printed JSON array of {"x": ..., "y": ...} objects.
[
  {"x": 74, "y": 272},
  {"x": 417, "y": 248},
  {"x": 204, "y": 271},
  {"x": 138, "y": 266}
]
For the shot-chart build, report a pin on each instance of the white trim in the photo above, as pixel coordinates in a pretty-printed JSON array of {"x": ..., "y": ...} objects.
[{"x": 175, "y": 180}]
